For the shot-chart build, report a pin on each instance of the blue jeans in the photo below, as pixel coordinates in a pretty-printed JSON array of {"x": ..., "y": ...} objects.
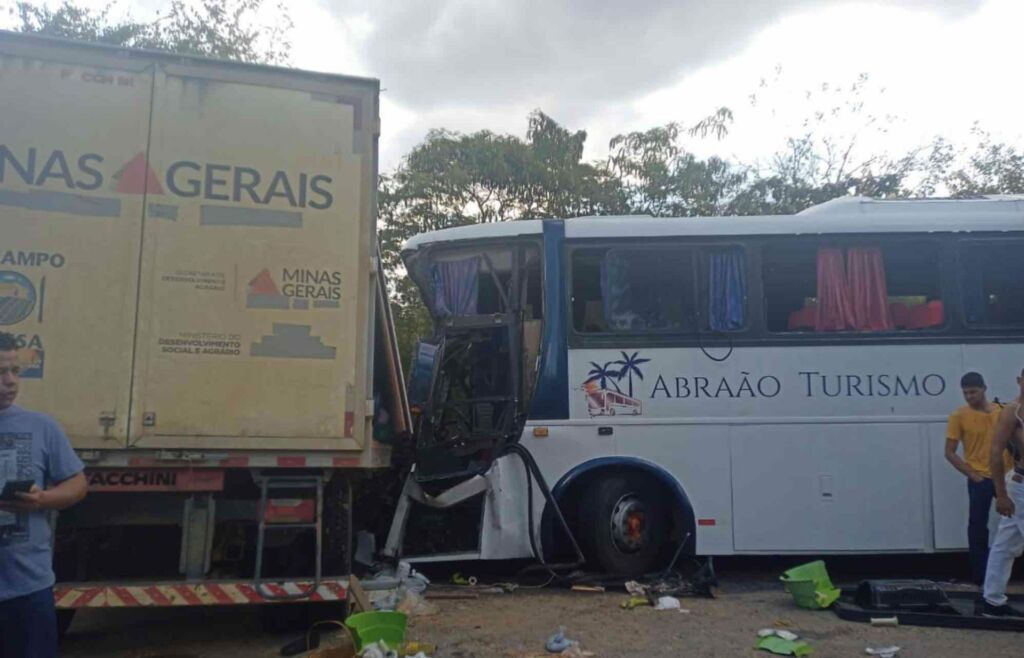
[
  {"x": 28, "y": 626},
  {"x": 980, "y": 495}
]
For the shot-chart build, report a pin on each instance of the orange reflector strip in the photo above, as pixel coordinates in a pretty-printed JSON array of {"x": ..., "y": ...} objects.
[
  {"x": 290, "y": 510},
  {"x": 540, "y": 432},
  {"x": 705, "y": 522}
]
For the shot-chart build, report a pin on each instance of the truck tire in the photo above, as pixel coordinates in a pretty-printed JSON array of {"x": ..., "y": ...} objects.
[
  {"x": 625, "y": 524},
  {"x": 64, "y": 618}
]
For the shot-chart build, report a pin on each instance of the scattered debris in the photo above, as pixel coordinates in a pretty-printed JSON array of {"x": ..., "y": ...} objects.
[
  {"x": 418, "y": 649},
  {"x": 415, "y": 605},
  {"x": 595, "y": 589},
  {"x": 459, "y": 579},
  {"x": 558, "y": 643},
  {"x": 883, "y": 652},
  {"x": 378, "y": 650},
  {"x": 785, "y": 635},
  {"x": 635, "y": 588},
  {"x": 668, "y": 603},
  {"x": 782, "y": 647},
  {"x": 576, "y": 652},
  {"x": 635, "y": 602},
  {"x": 885, "y": 621},
  {"x": 358, "y": 600},
  {"x": 810, "y": 586},
  {"x": 366, "y": 548},
  {"x": 452, "y": 595}
]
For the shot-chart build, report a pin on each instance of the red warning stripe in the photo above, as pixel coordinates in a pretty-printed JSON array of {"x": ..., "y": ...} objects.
[
  {"x": 291, "y": 462},
  {"x": 158, "y": 597},
  {"x": 219, "y": 594},
  {"x": 190, "y": 596},
  {"x": 126, "y": 597},
  {"x": 175, "y": 595},
  {"x": 250, "y": 593},
  {"x": 85, "y": 599}
]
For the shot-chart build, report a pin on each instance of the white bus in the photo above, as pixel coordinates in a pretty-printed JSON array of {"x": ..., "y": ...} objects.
[{"x": 746, "y": 385}]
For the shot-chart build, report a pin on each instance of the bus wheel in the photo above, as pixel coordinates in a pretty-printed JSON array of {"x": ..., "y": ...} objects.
[{"x": 625, "y": 524}]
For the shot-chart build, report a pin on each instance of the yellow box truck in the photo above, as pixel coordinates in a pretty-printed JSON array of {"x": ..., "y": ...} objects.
[{"x": 188, "y": 259}]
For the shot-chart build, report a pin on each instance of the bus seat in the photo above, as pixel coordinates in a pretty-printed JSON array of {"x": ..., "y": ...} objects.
[
  {"x": 593, "y": 316},
  {"x": 900, "y": 314},
  {"x": 802, "y": 318},
  {"x": 936, "y": 313}
]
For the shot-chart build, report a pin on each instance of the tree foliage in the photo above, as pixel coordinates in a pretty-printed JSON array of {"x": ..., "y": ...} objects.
[{"x": 242, "y": 30}]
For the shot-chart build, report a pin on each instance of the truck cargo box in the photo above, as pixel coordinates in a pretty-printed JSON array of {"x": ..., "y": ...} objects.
[{"x": 187, "y": 248}]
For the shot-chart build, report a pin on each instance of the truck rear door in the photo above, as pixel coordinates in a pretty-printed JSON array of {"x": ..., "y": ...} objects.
[
  {"x": 256, "y": 302},
  {"x": 74, "y": 130}
]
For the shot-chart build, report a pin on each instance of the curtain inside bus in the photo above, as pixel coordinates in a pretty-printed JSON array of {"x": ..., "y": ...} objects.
[
  {"x": 869, "y": 295},
  {"x": 835, "y": 311},
  {"x": 852, "y": 291},
  {"x": 727, "y": 290},
  {"x": 456, "y": 286}
]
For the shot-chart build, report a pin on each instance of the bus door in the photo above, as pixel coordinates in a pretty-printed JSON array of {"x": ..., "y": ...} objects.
[{"x": 472, "y": 379}]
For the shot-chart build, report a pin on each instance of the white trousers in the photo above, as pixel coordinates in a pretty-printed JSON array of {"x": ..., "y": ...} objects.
[{"x": 1006, "y": 547}]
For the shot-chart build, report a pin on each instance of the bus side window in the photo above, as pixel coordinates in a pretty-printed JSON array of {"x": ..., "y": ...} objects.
[
  {"x": 859, "y": 288},
  {"x": 648, "y": 290},
  {"x": 587, "y": 306},
  {"x": 992, "y": 293}
]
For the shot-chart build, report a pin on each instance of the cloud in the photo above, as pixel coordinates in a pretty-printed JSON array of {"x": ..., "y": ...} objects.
[{"x": 449, "y": 53}]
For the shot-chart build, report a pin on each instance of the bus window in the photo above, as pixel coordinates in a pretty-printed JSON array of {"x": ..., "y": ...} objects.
[
  {"x": 993, "y": 295},
  {"x": 634, "y": 290},
  {"x": 587, "y": 306},
  {"x": 648, "y": 290},
  {"x": 862, "y": 288}
]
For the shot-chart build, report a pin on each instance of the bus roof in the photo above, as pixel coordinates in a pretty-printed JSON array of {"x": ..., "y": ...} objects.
[{"x": 842, "y": 215}]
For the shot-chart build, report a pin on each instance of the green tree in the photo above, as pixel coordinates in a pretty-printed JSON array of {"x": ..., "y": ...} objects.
[
  {"x": 453, "y": 179},
  {"x": 242, "y": 30},
  {"x": 991, "y": 168},
  {"x": 661, "y": 178}
]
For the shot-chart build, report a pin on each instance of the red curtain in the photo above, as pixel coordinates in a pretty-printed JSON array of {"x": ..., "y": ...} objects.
[
  {"x": 852, "y": 293},
  {"x": 865, "y": 272},
  {"x": 835, "y": 310}
]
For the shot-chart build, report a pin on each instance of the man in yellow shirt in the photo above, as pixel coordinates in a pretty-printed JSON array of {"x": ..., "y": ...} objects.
[{"x": 972, "y": 425}]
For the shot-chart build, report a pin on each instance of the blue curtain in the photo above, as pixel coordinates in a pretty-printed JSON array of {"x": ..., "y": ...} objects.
[
  {"x": 727, "y": 290},
  {"x": 456, "y": 286}
]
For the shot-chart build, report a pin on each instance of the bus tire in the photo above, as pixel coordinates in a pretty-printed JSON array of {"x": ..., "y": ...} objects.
[{"x": 625, "y": 524}]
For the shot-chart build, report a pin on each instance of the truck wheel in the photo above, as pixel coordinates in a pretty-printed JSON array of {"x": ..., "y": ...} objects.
[
  {"x": 625, "y": 524},
  {"x": 64, "y": 618}
]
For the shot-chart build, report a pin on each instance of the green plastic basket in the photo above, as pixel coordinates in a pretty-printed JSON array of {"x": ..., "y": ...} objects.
[
  {"x": 810, "y": 586},
  {"x": 370, "y": 627}
]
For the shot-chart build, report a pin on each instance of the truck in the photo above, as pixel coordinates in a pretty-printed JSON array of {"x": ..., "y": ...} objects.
[{"x": 189, "y": 262}]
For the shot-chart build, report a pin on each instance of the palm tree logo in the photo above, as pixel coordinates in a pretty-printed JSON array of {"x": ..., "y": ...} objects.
[
  {"x": 603, "y": 374},
  {"x": 629, "y": 366}
]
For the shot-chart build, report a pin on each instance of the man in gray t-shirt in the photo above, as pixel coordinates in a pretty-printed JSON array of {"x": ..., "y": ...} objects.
[{"x": 32, "y": 447}]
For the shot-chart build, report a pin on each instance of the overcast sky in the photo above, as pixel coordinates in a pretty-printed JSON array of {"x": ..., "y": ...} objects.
[{"x": 608, "y": 67}]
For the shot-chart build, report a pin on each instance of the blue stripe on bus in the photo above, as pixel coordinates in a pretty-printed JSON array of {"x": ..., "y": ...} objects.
[{"x": 551, "y": 395}]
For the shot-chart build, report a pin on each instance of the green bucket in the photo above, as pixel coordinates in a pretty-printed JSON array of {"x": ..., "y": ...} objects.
[
  {"x": 810, "y": 586},
  {"x": 370, "y": 627}
]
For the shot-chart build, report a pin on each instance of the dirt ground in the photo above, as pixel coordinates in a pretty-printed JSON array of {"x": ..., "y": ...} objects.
[{"x": 516, "y": 625}]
